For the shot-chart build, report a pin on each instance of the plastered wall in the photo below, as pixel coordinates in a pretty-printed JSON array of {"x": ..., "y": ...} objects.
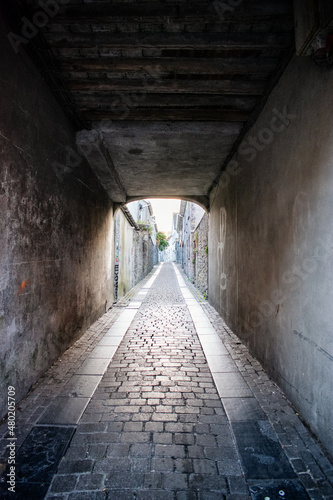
[
  {"x": 56, "y": 267},
  {"x": 271, "y": 241}
]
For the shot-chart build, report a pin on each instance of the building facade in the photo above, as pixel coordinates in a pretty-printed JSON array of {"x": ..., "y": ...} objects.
[
  {"x": 136, "y": 250},
  {"x": 191, "y": 247}
]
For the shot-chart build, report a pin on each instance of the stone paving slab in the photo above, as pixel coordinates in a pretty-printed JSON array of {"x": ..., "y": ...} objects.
[
  {"x": 37, "y": 462},
  {"x": 285, "y": 489},
  {"x": 156, "y": 426},
  {"x": 261, "y": 453}
]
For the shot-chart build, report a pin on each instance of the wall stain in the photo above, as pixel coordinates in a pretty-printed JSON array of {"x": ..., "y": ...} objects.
[
  {"x": 22, "y": 287},
  {"x": 311, "y": 342}
]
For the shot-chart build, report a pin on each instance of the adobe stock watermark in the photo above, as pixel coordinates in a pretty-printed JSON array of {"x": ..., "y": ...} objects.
[
  {"x": 292, "y": 280},
  {"x": 11, "y": 423},
  {"x": 252, "y": 144},
  {"x": 72, "y": 160},
  {"x": 223, "y": 7},
  {"x": 31, "y": 27}
]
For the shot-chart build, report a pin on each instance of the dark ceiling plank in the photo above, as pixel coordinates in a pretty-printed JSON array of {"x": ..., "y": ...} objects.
[
  {"x": 165, "y": 114},
  {"x": 234, "y": 41},
  {"x": 218, "y": 52},
  {"x": 176, "y": 86},
  {"x": 181, "y": 65},
  {"x": 103, "y": 11},
  {"x": 97, "y": 52},
  {"x": 102, "y": 100}
]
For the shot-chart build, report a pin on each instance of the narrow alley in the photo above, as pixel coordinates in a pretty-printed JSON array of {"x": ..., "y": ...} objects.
[{"x": 159, "y": 400}]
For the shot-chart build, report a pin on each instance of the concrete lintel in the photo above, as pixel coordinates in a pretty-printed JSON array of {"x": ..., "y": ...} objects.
[
  {"x": 90, "y": 145},
  {"x": 203, "y": 201}
]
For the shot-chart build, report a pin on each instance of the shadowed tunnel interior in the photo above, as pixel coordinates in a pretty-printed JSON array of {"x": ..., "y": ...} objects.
[{"x": 225, "y": 104}]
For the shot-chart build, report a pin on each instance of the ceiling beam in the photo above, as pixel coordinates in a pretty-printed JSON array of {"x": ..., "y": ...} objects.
[
  {"x": 233, "y": 41},
  {"x": 164, "y": 114},
  {"x": 181, "y": 65},
  {"x": 97, "y": 52},
  {"x": 90, "y": 101},
  {"x": 103, "y": 11},
  {"x": 229, "y": 87}
]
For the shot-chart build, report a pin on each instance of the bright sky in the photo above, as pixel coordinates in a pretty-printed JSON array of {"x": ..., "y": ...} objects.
[{"x": 163, "y": 210}]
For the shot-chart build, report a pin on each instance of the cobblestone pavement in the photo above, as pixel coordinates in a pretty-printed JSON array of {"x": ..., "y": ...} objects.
[{"x": 160, "y": 422}]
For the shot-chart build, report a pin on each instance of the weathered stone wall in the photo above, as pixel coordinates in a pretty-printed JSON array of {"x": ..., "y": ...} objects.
[
  {"x": 271, "y": 241},
  {"x": 145, "y": 255},
  {"x": 189, "y": 224},
  {"x": 201, "y": 268},
  {"x": 189, "y": 257},
  {"x": 193, "y": 254},
  {"x": 139, "y": 268},
  {"x": 136, "y": 254},
  {"x": 153, "y": 254},
  {"x": 125, "y": 253},
  {"x": 56, "y": 272}
]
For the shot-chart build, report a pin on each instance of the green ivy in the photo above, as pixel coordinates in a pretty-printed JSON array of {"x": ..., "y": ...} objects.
[{"x": 162, "y": 241}]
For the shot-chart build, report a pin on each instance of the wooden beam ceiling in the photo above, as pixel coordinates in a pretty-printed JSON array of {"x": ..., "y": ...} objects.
[{"x": 164, "y": 61}]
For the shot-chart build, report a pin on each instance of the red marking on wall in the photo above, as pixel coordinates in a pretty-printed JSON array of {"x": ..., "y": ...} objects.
[{"x": 22, "y": 287}]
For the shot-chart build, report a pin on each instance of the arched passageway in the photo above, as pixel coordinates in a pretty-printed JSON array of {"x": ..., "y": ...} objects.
[
  {"x": 137, "y": 250},
  {"x": 226, "y": 115}
]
